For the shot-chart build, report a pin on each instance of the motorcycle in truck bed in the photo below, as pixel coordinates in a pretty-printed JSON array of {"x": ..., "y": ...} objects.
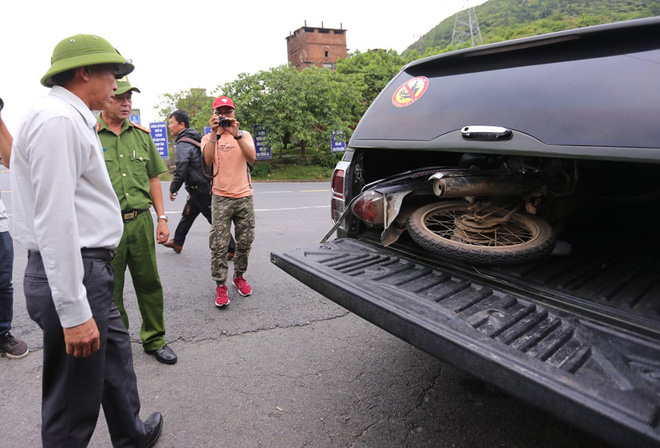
[{"x": 496, "y": 207}]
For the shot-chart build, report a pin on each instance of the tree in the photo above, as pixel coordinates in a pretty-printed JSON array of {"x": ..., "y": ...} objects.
[
  {"x": 298, "y": 107},
  {"x": 194, "y": 101},
  {"x": 374, "y": 68},
  {"x": 262, "y": 100},
  {"x": 507, "y": 19},
  {"x": 332, "y": 102}
]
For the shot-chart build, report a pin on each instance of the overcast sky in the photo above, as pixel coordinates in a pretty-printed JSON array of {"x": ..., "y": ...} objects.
[{"x": 178, "y": 45}]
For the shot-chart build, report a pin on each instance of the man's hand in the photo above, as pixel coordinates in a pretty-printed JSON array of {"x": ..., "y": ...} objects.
[
  {"x": 233, "y": 128},
  {"x": 162, "y": 232},
  {"x": 173, "y": 196},
  {"x": 83, "y": 340},
  {"x": 214, "y": 121}
]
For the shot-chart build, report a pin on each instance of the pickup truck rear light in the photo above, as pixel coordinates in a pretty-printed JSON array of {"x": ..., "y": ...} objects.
[
  {"x": 337, "y": 189},
  {"x": 338, "y": 182},
  {"x": 369, "y": 208}
]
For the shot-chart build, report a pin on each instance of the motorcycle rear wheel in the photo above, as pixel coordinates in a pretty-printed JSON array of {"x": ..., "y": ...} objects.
[{"x": 522, "y": 238}]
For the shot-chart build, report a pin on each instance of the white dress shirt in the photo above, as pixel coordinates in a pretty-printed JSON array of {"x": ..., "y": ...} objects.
[
  {"x": 4, "y": 222},
  {"x": 63, "y": 200}
]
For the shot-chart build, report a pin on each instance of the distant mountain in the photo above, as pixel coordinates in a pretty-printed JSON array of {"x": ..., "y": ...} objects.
[{"x": 501, "y": 20}]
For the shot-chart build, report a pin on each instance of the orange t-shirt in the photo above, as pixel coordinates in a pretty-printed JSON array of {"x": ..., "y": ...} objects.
[{"x": 232, "y": 178}]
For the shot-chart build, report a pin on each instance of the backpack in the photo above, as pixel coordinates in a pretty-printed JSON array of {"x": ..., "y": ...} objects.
[{"x": 207, "y": 170}]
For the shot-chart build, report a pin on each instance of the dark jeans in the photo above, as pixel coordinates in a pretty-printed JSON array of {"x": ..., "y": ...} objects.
[
  {"x": 6, "y": 287},
  {"x": 197, "y": 203},
  {"x": 73, "y": 389}
]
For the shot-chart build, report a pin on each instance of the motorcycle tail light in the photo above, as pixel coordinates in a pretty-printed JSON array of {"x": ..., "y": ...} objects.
[{"x": 369, "y": 208}]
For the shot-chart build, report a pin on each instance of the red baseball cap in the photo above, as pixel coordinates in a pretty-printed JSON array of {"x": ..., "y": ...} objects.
[{"x": 223, "y": 101}]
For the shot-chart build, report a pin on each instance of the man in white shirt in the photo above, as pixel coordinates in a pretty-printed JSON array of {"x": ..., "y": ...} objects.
[{"x": 68, "y": 218}]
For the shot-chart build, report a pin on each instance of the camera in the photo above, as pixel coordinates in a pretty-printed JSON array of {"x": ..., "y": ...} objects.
[
  {"x": 224, "y": 122},
  {"x": 2, "y": 104}
]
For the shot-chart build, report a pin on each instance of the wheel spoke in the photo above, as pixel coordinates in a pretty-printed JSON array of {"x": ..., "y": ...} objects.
[
  {"x": 509, "y": 234},
  {"x": 479, "y": 233}
]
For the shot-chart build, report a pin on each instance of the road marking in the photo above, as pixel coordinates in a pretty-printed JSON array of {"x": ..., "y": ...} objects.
[
  {"x": 178, "y": 212},
  {"x": 261, "y": 192},
  {"x": 291, "y": 191},
  {"x": 289, "y": 208}
]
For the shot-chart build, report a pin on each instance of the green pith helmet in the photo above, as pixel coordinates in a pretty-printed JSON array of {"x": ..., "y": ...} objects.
[
  {"x": 82, "y": 50},
  {"x": 124, "y": 86}
]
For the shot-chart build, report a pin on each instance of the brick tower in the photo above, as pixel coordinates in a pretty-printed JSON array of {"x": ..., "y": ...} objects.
[{"x": 308, "y": 46}]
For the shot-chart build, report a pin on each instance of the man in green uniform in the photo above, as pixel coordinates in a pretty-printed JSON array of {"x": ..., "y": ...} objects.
[{"x": 134, "y": 164}]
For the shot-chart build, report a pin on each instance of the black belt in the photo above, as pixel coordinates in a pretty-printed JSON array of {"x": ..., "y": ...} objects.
[
  {"x": 86, "y": 252},
  {"x": 98, "y": 253},
  {"x": 130, "y": 214}
]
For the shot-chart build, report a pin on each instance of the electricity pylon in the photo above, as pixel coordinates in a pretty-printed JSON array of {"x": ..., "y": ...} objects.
[{"x": 466, "y": 27}]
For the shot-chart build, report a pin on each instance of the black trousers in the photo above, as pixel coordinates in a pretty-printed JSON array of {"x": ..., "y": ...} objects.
[
  {"x": 73, "y": 389},
  {"x": 197, "y": 203}
]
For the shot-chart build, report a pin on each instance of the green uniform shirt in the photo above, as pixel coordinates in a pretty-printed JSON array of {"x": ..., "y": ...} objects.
[{"x": 132, "y": 159}]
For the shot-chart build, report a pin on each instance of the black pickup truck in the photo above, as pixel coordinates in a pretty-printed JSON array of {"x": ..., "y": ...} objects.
[{"x": 498, "y": 207}]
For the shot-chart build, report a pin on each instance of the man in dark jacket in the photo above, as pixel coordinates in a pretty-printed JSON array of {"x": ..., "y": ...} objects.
[{"x": 189, "y": 171}]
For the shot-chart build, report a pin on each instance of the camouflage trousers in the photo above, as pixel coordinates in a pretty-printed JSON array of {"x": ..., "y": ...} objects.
[{"x": 224, "y": 211}]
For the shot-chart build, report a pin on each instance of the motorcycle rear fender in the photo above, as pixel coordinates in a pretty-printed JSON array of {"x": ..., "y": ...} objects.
[{"x": 395, "y": 222}]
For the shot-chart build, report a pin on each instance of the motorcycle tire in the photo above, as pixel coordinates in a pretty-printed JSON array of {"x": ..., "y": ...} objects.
[{"x": 433, "y": 228}]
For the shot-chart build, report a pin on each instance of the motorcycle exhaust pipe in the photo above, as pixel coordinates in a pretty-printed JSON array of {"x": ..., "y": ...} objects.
[{"x": 478, "y": 185}]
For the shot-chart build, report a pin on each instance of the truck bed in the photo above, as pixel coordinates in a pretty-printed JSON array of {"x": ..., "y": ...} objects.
[{"x": 578, "y": 336}]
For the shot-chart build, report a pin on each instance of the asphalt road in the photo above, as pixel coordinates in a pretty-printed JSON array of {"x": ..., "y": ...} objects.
[{"x": 284, "y": 367}]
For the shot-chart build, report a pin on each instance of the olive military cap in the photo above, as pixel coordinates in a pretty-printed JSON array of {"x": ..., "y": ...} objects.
[{"x": 124, "y": 86}]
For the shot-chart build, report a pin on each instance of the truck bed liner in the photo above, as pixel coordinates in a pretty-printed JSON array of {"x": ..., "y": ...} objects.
[{"x": 546, "y": 333}]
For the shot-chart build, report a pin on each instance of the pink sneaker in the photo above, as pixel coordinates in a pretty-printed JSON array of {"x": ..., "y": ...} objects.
[
  {"x": 221, "y": 298},
  {"x": 243, "y": 287}
]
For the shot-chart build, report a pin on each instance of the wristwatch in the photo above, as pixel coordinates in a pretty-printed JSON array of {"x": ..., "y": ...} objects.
[
  {"x": 239, "y": 136},
  {"x": 163, "y": 217}
]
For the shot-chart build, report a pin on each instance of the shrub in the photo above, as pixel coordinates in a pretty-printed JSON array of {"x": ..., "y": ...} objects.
[
  {"x": 327, "y": 160},
  {"x": 262, "y": 170}
]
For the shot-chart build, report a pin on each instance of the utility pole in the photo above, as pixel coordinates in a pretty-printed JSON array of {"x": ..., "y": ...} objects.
[{"x": 466, "y": 26}]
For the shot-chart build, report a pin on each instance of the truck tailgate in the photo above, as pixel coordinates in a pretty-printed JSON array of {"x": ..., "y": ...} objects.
[{"x": 582, "y": 369}]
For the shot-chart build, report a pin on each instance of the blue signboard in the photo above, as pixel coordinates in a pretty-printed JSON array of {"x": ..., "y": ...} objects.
[
  {"x": 135, "y": 116},
  {"x": 338, "y": 142},
  {"x": 263, "y": 151},
  {"x": 159, "y": 135}
]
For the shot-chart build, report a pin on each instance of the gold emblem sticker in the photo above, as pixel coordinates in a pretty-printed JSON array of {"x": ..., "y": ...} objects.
[{"x": 410, "y": 91}]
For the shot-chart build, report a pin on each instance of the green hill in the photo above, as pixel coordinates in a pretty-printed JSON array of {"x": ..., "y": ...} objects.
[{"x": 501, "y": 20}]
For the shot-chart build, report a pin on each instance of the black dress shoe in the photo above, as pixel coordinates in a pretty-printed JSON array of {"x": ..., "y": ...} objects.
[
  {"x": 163, "y": 354},
  {"x": 154, "y": 425}
]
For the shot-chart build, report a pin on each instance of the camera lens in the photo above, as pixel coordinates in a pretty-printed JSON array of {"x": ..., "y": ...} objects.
[
  {"x": 224, "y": 123},
  {"x": 2, "y": 104}
]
